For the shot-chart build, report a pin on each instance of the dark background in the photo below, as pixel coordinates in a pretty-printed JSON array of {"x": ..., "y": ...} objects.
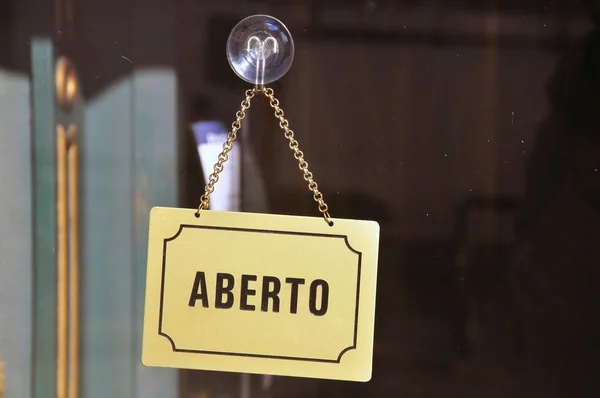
[{"x": 467, "y": 129}]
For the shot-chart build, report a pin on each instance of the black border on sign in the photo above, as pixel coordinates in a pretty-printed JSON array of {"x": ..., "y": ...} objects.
[{"x": 237, "y": 354}]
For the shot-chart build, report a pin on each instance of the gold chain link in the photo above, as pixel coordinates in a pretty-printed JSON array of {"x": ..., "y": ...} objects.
[
  {"x": 223, "y": 156},
  {"x": 298, "y": 154},
  {"x": 289, "y": 134}
]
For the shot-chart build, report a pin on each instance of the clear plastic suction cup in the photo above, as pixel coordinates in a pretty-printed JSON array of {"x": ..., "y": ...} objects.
[{"x": 260, "y": 49}]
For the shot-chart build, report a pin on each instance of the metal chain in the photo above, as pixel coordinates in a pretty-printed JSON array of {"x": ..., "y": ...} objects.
[
  {"x": 218, "y": 168},
  {"x": 298, "y": 154},
  {"x": 289, "y": 134}
]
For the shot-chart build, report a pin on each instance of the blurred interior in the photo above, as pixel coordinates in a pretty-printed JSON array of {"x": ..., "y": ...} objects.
[{"x": 427, "y": 116}]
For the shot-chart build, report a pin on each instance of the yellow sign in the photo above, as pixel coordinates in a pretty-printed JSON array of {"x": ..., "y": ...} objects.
[{"x": 257, "y": 293}]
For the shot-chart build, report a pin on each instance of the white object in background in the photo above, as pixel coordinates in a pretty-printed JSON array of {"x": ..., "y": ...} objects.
[{"x": 210, "y": 136}]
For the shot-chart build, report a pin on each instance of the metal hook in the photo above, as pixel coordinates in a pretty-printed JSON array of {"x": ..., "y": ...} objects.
[{"x": 254, "y": 44}]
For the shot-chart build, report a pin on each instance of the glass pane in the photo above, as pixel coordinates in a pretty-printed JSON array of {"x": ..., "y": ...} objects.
[{"x": 468, "y": 130}]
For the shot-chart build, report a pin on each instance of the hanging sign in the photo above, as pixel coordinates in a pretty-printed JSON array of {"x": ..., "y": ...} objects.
[{"x": 256, "y": 293}]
